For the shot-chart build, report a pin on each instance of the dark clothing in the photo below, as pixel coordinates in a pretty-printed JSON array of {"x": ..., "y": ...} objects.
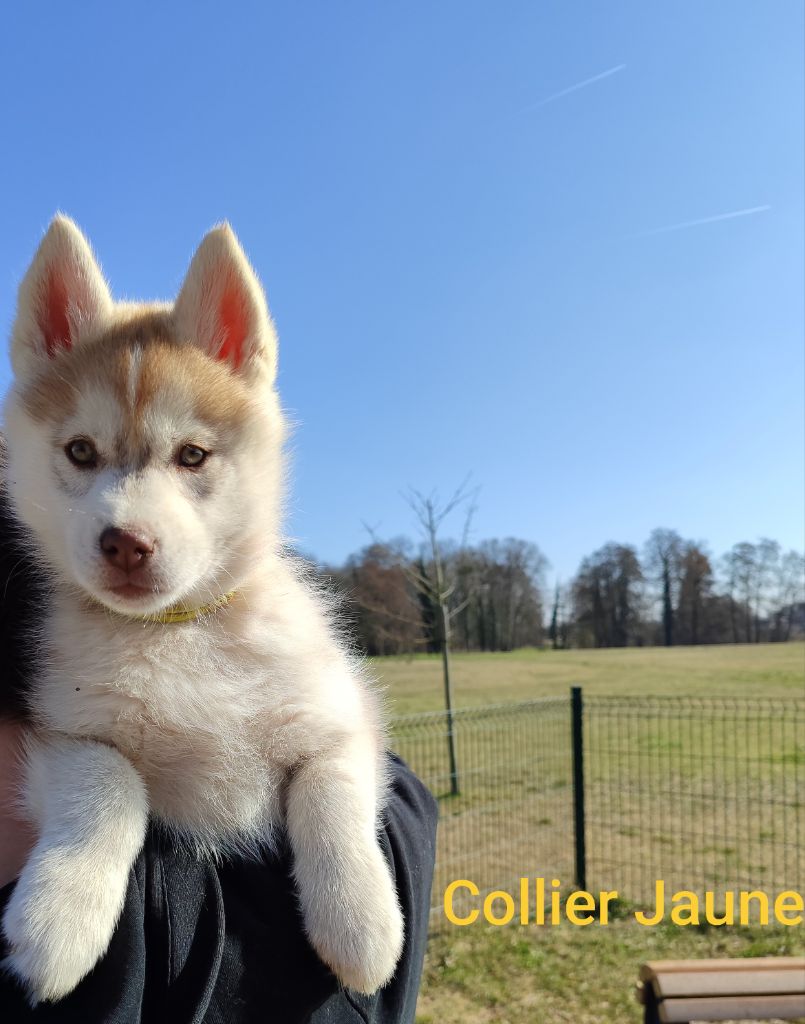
[
  {"x": 21, "y": 599},
  {"x": 224, "y": 945},
  {"x": 217, "y": 944}
]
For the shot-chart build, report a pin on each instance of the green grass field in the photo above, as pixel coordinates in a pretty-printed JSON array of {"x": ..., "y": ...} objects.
[
  {"x": 567, "y": 975},
  {"x": 514, "y": 808},
  {"x": 746, "y": 670}
]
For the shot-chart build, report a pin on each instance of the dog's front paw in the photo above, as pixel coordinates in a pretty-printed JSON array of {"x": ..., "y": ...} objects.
[
  {"x": 357, "y": 926},
  {"x": 58, "y": 924}
]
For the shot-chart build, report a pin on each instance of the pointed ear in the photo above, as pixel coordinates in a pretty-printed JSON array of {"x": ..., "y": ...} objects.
[
  {"x": 61, "y": 296},
  {"x": 222, "y": 307}
]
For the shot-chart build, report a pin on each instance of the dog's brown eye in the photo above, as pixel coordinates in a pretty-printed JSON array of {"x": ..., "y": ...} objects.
[
  {"x": 82, "y": 452},
  {"x": 192, "y": 456}
]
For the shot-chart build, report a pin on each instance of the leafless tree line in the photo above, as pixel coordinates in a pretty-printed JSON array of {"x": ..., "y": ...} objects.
[
  {"x": 490, "y": 592},
  {"x": 676, "y": 594},
  {"x": 434, "y": 595}
]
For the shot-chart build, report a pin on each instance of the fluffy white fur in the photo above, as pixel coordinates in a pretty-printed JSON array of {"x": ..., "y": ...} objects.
[{"x": 226, "y": 728}]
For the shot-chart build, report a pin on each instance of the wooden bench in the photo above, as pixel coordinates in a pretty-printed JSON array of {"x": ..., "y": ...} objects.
[{"x": 755, "y": 988}]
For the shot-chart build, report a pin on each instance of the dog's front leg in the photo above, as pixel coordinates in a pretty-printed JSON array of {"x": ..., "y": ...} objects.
[
  {"x": 350, "y": 908},
  {"x": 90, "y": 807}
]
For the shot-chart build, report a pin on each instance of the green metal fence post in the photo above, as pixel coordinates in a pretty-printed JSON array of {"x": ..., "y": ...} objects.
[{"x": 577, "y": 734}]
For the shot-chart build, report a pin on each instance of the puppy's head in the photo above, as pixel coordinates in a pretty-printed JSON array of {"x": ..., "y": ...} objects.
[{"x": 145, "y": 442}]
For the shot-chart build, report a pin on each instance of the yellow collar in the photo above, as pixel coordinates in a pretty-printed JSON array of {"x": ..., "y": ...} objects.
[{"x": 181, "y": 613}]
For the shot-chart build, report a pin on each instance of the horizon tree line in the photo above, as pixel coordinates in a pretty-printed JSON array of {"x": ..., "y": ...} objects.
[{"x": 493, "y": 595}]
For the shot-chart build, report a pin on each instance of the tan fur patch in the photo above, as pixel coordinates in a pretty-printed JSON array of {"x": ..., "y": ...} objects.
[{"x": 140, "y": 360}]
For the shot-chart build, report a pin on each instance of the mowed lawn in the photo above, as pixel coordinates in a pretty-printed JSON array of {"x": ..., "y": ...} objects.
[
  {"x": 519, "y": 975},
  {"x": 565, "y": 974},
  {"x": 740, "y": 670}
]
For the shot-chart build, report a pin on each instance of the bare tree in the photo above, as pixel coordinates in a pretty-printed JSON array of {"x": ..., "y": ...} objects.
[
  {"x": 767, "y": 564},
  {"x": 663, "y": 557},
  {"x": 383, "y": 607},
  {"x": 559, "y": 628},
  {"x": 740, "y": 563},
  {"x": 606, "y": 597},
  {"x": 790, "y": 591},
  {"x": 696, "y": 580},
  {"x": 436, "y": 586},
  {"x": 554, "y": 628}
]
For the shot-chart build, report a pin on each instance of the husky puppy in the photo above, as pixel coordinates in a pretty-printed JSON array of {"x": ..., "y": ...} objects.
[{"x": 187, "y": 670}]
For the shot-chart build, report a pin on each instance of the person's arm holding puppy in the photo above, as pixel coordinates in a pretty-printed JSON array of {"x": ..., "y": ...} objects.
[{"x": 16, "y": 835}]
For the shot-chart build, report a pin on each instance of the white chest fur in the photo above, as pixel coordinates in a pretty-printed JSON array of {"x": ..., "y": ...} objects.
[{"x": 210, "y": 713}]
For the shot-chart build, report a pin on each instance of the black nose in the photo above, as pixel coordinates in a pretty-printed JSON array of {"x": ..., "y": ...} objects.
[{"x": 126, "y": 549}]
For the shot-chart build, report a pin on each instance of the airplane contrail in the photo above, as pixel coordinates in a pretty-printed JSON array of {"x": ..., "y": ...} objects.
[
  {"x": 574, "y": 88},
  {"x": 701, "y": 220}
]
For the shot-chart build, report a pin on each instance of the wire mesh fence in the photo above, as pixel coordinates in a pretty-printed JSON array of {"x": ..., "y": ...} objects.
[
  {"x": 703, "y": 793},
  {"x": 514, "y": 780}
]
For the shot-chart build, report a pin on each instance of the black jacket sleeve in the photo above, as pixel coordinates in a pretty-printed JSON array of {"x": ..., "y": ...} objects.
[{"x": 204, "y": 944}]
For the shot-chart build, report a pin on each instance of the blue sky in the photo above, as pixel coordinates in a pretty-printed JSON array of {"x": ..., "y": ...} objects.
[{"x": 465, "y": 254}]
